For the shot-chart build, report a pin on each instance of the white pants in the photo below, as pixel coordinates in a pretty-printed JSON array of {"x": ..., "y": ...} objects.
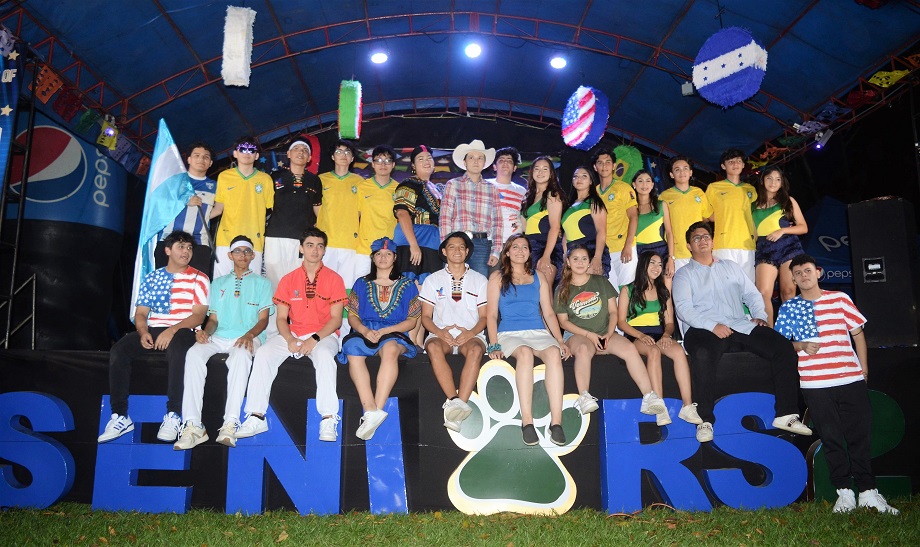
[
  {"x": 342, "y": 262},
  {"x": 281, "y": 257},
  {"x": 223, "y": 265},
  {"x": 274, "y": 352},
  {"x": 743, "y": 258},
  {"x": 620, "y": 273},
  {"x": 239, "y": 361}
]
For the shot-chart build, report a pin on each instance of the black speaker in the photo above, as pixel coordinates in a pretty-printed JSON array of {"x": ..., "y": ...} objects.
[{"x": 883, "y": 247}]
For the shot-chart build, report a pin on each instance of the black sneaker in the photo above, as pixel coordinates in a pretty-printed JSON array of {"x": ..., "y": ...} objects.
[
  {"x": 557, "y": 435},
  {"x": 530, "y": 435}
]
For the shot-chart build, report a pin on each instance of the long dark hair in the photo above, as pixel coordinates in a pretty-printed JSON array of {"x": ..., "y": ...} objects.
[
  {"x": 552, "y": 186},
  {"x": 506, "y": 262},
  {"x": 594, "y": 199},
  {"x": 562, "y": 291},
  {"x": 395, "y": 273},
  {"x": 653, "y": 195},
  {"x": 782, "y": 195},
  {"x": 642, "y": 282}
]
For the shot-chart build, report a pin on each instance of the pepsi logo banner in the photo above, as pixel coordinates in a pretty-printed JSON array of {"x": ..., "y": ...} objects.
[{"x": 70, "y": 180}]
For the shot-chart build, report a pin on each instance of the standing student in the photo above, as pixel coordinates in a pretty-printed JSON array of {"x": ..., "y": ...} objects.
[
  {"x": 338, "y": 215},
  {"x": 824, "y": 326},
  {"x": 622, "y": 218},
  {"x": 510, "y": 193},
  {"x": 686, "y": 205},
  {"x": 653, "y": 232},
  {"x": 585, "y": 221},
  {"x": 454, "y": 312},
  {"x": 731, "y": 202},
  {"x": 375, "y": 207},
  {"x": 298, "y": 197},
  {"x": 542, "y": 211},
  {"x": 472, "y": 205},
  {"x": 309, "y": 303},
  {"x": 240, "y": 305},
  {"x": 244, "y": 194},
  {"x": 196, "y": 218},
  {"x": 171, "y": 302},
  {"x": 417, "y": 208},
  {"x": 528, "y": 328},
  {"x": 779, "y": 223}
]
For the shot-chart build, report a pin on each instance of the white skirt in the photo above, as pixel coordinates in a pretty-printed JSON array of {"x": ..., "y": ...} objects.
[{"x": 536, "y": 339}]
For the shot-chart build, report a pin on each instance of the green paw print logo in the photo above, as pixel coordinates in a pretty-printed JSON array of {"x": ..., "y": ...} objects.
[{"x": 501, "y": 473}]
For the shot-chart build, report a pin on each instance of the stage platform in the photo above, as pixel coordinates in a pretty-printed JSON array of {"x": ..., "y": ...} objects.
[{"x": 616, "y": 459}]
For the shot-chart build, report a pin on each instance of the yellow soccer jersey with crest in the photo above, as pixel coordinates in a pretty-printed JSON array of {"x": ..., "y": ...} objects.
[
  {"x": 731, "y": 205},
  {"x": 685, "y": 208},
  {"x": 618, "y": 197},
  {"x": 338, "y": 215}
]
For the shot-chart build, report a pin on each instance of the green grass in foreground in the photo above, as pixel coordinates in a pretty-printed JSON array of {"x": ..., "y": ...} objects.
[{"x": 799, "y": 524}]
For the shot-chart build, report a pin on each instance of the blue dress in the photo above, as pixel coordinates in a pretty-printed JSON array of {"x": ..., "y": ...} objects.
[{"x": 365, "y": 301}]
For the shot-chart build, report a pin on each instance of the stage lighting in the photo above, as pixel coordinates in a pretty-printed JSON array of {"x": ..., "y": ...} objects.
[
  {"x": 686, "y": 89},
  {"x": 557, "y": 62},
  {"x": 379, "y": 57},
  {"x": 473, "y": 50},
  {"x": 822, "y": 137}
]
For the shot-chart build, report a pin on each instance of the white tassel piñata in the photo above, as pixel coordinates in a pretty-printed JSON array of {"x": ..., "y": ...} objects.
[{"x": 235, "y": 68}]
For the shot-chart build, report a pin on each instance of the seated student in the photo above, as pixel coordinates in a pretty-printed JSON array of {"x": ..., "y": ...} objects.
[
  {"x": 312, "y": 297},
  {"x": 527, "y": 328},
  {"x": 824, "y": 326},
  {"x": 454, "y": 312},
  {"x": 709, "y": 297},
  {"x": 586, "y": 307},
  {"x": 382, "y": 307},
  {"x": 171, "y": 302},
  {"x": 646, "y": 316},
  {"x": 238, "y": 315},
  {"x": 779, "y": 223}
]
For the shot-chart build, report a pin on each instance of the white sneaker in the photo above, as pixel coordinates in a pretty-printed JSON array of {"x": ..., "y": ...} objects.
[
  {"x": 369, "y": 424},
  {"x": 252, "y": 426},
  {"x": 169, "y": 429},
  {"x": 586, "y": 403},
  {"x": 328, "y": 429},
  {"x": 846, "y": 501},
  {"x": 874, "y": 500},
  {"x": 664, "y": 418},
  {"x": 652, "y": 404},
  {"x": 455, "y": 411},
  {"x": 704, "y": 432},
  {"x": 227, "y": 434},
  {"x": 791, "y": 423},
  {"x": 689, "y": 414},
  {"x": 190, "y": 436},
  {"x": 117, "y": 426}
]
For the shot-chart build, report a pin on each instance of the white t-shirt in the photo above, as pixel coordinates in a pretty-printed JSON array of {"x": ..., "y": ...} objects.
[
  {"x": 511, "y": 195},
  {"x": 455, "y": 302}
]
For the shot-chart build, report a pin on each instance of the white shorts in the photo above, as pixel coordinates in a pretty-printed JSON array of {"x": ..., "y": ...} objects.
[
  {"x": 536, "y": 339},
  {"x": 743, "y": 258},
  {"x": 620, "y": 273}
]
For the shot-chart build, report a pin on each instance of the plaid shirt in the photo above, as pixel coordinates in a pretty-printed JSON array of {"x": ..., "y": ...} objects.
[{"x": 472, "y": 207}]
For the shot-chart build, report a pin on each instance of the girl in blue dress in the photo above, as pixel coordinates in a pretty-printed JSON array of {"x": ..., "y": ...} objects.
[{"x": 382, "y": 307}]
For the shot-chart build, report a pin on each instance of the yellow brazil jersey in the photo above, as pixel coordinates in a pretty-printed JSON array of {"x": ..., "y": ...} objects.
[
  {"x": 731, "y": 205},
  {"x": 338, "y": 215},
  {"x": 618, "y": 197},
  {"x": 375, "y": 204},
  {"x": 245, "y": 200},
  {"x": 685, "y": 208}
]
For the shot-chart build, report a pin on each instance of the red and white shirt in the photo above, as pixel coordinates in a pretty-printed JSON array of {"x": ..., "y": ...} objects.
[
  {"x": 827, "y": 320},
  {"x": 171, "y": 297}
]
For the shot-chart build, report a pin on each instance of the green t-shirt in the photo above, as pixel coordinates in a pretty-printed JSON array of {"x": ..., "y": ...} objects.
[{"x": 587, "y": 304}]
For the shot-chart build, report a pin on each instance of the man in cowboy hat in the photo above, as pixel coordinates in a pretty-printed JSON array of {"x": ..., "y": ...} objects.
[{"x": 470, "y": 204}]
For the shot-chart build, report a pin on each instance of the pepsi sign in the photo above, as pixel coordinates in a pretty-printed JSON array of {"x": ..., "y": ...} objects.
[{"x": 70, "y": 180}]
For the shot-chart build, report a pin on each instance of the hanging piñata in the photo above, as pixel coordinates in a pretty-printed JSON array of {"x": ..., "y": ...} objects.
[
  {"x": 585, "y": 118},
  {"x": 729, "y": 67},
  {"x": 350, "y": 109}
]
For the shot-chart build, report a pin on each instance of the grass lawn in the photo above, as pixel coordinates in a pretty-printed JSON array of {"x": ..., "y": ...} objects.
[{"x": 799, "y": 524}]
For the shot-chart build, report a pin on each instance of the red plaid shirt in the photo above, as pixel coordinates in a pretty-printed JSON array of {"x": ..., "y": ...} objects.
[{"x": 472, "y": 207}]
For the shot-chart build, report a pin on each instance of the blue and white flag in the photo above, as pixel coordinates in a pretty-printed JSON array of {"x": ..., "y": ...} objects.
[{"x": 168, "y": 192}]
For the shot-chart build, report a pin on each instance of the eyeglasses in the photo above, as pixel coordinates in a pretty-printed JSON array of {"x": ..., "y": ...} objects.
[
  {"x": 247, "y": 149},
  {"x": 242, "y": 252},
  {"x": 383, "y": 161},
  {"x": 701, "y": 237},
  {"x": 342, "y": 152}
]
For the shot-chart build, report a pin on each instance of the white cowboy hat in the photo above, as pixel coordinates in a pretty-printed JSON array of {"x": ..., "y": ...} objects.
[{"x": 475, "y": 146}]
